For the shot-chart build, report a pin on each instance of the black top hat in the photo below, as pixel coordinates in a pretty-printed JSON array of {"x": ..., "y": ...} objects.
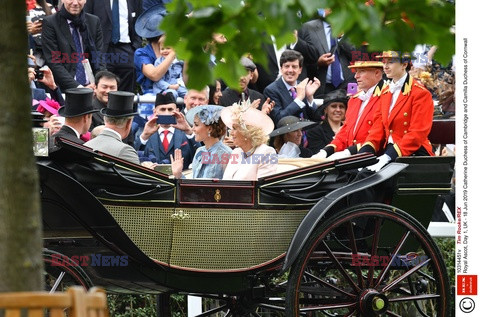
[
  {"x": 164, "y": 99},
  {"x": 338, "y": 95},
  {"x": 120, "y": 104},
  {"x": 290, "y": 124},
  {"x": 78, "y": 101}
]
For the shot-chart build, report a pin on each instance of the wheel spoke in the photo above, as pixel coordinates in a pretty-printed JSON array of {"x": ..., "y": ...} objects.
[
  {"x": 353, "y": 244},
  {"x": 414, "y": 297},
  {"x": 391, "y": 313},
  {"x": 57, "y": 282},
  {"x": 392, "y": 258},
  {"x": 376, "y": 238},
  {"x": 333, "y": 287},
  {"x": 328, "y": 306},
  {"x": 341, "y": 268},
  {"x": 405, "y": 275},
  {"x": 212, "y": 311},
  {"x": 272, "y": 307}
]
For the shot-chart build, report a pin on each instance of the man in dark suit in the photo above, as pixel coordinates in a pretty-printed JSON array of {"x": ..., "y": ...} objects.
[
  {"x": 77, "y": 111},
  {"x": 119, "y": 37},
  {"x": 105, "y": 82},
  {"x": 332, "y": 58},
  {"x": 118, "y": 122},
  {"x": 159, "y": 141},
  {"x": 292, "y": 98},
  {"x": 270, "y": 73},
  {"x": 65, "y": 44},
  {"x": 231, "y": 96}
]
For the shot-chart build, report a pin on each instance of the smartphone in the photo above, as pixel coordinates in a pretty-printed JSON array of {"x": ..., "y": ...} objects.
[
  {"x": 352, "y": 88},
  {"x": 333, "y": 49},
  {"x": 166, "y": 119},
  {"x": 38, "y": 73}
]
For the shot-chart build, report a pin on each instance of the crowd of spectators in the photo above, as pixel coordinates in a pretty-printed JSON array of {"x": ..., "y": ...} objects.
[{"x": 99, "y": 50}]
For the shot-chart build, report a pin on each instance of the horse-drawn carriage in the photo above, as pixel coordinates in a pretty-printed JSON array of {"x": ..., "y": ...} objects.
[{"x": 289, "y": 244}]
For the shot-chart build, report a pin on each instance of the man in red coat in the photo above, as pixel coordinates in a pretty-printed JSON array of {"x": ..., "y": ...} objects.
[
  {"x": 404, "y": 117},
  {"x": 360, "y": 111}
]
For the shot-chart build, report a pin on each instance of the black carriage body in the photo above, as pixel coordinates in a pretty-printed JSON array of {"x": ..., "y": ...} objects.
[{"x": 196, "y": 236}]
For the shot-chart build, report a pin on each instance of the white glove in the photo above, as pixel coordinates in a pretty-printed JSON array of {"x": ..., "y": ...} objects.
[
  {"x": 340, "y": 155},
  {"x": 321, "y": 155},
  {"x": 289, "y": 150},
  {"x": 382, "y": 161}
]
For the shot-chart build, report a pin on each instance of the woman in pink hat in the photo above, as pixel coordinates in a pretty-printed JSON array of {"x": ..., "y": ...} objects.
[
  {"x": 250, "y": 128},
  {"x": 49, "y": 108}
]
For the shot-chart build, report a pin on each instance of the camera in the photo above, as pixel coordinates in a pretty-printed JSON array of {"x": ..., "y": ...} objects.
[
  {"x": 38, "y": 73},
  {"x": 166, "y": 119}
]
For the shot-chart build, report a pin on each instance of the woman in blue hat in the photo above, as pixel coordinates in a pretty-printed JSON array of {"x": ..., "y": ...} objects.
[
  {"x": 211, "y": 159},
  {"x": 146, "y": 26}
]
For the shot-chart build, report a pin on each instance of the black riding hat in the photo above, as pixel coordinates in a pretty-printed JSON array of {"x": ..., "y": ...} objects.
[
  {"x": 120, "y": 104},
  {"x": 78, "y": 101}
]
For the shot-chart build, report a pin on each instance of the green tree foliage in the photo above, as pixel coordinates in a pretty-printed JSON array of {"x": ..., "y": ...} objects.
[{"x": 388, "y": 24}]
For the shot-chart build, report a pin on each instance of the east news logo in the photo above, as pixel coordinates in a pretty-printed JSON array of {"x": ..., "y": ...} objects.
[{"x": 92, "y": 260}]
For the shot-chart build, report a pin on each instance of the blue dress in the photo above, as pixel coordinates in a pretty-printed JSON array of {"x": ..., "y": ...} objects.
[
  {"x": 144, "y": 55},
  {"x": 211, "y": 163}
]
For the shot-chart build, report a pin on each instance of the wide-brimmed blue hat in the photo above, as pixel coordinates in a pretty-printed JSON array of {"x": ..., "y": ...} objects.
[
  {"x": 148, "y": 22},
  {"x": 207, "y": 114}
]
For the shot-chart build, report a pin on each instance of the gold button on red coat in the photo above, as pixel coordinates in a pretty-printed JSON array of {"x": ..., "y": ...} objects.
[
  {"x": 405, "y": 132},
  {"x": 405, "y": 114},
  {"x": 405, "y": 123},
  {"x": 369, "y": 122},
  {"x": 391, "y": 131}
]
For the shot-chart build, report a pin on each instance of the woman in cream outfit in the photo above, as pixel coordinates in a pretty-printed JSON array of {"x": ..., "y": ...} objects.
[{"x": 252, "y": 158}]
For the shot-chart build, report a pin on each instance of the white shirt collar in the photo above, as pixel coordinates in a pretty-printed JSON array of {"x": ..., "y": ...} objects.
[
  {"x": 171, "y": 129},
  {"x": 76, "y": 132},
  {"x": 366, "y": 95},
  {"x": 398, "y": 85}
]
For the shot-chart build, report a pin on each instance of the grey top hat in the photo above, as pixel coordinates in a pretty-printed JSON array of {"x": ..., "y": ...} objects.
[
  {"x": 78, "y": 101},
  {"x": 120, "y": 104},
  {"x": 147, "y": 23},
  {"x": 290, "y": 124}
]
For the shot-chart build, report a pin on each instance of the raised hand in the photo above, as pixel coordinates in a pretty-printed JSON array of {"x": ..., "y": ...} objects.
[
  {"x": 177, "y": 163},
  {"x": 311, "y": 88}
]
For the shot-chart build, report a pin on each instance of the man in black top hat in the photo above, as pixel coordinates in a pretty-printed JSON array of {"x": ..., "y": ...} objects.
[
  {"x": 118, "y": 121},
  {"x": 159, "y": 141},
  {"x": 78, "y": 112}
]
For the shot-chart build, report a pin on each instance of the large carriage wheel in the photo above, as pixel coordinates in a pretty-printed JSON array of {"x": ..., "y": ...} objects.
[
  {"x": 61, "y": 272},
  {"x": 365, "y": 261}
]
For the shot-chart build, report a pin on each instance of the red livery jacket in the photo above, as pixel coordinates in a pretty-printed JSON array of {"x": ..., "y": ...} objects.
[
  {"x": 348, "y": 135},
  {"x": 409, "y": 122}
]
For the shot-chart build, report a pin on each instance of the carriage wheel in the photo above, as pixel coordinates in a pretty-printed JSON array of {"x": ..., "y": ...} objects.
[
  {"x": 365, "y": 261},
  {"x": 61, "y": 273}
]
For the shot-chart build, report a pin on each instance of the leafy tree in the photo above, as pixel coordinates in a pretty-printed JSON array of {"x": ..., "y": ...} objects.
[
  {"x": 20, "y": 221},
  {"x": 386, "y": 24}
]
